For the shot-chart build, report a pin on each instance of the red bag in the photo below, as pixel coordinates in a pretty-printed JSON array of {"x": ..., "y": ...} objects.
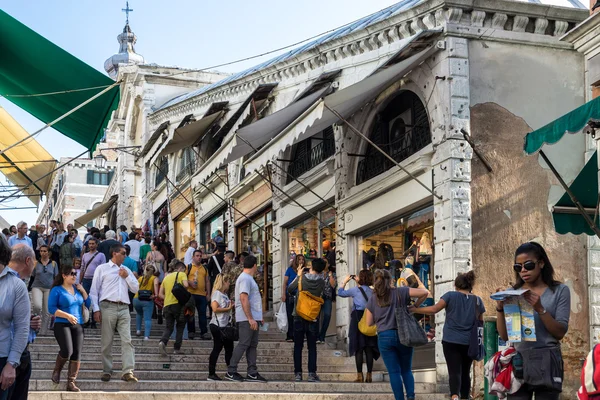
[{"x": 590, "y": 376}]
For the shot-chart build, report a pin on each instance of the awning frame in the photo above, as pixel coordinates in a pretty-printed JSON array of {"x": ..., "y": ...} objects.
[{"x": 104, "y": 207}]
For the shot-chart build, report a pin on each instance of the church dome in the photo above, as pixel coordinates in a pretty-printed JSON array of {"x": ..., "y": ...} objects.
[{"x": 126, "y": 54}]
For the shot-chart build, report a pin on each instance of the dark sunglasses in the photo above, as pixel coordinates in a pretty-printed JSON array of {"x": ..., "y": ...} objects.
[
  {"x": 74, "y": 274},
  {"x": 528, "y": 265}
]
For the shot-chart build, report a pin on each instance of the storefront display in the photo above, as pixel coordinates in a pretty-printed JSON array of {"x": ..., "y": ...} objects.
[
  {"x": 161, "y": 220},
  {"x": 214, "y": 230},
  {"x": 253, "y": 239},
  {"x": 185, "y": 231},
  {"x": 307, "y": 236}
]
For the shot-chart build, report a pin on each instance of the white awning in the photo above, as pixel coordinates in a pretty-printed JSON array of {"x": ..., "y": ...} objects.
[
  {"x": 346, "y": 102},
  {"x": 96, "y": 212},
  {"x": 187, "y": 135},
  {"x": 216, "y": 160}
]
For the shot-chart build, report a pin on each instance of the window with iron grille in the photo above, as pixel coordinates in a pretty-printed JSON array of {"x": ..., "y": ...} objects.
[
  {"x": 401, "y": 130},
  {"x": 311, "y": 152},
  {"x": 163, "y": 168},
  {"x": 187, "y": 164}
]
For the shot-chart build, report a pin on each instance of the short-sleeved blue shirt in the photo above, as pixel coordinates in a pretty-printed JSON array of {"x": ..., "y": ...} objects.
[
  {"x": 291, "y": 274},
  {"x": 460, "y": 315}
]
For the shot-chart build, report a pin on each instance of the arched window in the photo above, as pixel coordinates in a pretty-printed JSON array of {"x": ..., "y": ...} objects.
[
  {"x": 401, "y": 130},
  {"x": 161, "y": 171},
  {"x": 187, "y": 164},
  {"x": 311, "y": 152}
]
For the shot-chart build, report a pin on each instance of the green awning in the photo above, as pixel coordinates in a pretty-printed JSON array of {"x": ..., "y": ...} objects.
[
  {"x": 32, "y": 64},
  {"x": 585, "y": 190},
  {"x": 572, "y": 122}
]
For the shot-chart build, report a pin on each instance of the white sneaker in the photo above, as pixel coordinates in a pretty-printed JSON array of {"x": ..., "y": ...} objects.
[
  {"x": 138, "y": 333},
  {"x": 146, "y": 338}
]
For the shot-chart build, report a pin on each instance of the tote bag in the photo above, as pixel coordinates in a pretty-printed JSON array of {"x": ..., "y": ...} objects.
[
  {"x": 476, "y": 349},
  {"x": 410, "y": 332}
]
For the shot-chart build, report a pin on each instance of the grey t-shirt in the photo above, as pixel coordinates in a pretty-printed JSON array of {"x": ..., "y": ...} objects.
[
  {"x": 45, "y": 279},
  {"x": 246, "y": 284},
  {"x": 460, "y": 315},
  {"x": 385, "y": 317},
  {"x": 557, "y": 303}
]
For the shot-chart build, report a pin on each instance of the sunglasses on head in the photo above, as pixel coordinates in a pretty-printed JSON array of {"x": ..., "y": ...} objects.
[{"x": 528, "y": 265}]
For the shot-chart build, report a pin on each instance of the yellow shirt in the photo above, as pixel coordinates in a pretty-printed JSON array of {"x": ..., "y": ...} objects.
[
  {"x": 148, "y": 286},
  {"x": 201, "y": 289},
  {"x": 168, "y": 284}
]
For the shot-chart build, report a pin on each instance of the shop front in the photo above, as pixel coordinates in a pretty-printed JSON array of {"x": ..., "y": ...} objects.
[
  {"x": 256, "y": 237},
  {"x": 184, "y": 222},
  {"x": 161, "y": 219},
  {"x": 213, "y": 229}
]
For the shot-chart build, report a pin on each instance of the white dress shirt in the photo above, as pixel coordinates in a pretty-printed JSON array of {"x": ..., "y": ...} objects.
[
  {"x": 189, "y": 255},
  {"x": 108, "y": 285}
]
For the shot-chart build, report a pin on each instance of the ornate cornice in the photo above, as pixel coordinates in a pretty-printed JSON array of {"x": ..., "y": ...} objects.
[{"x": 532, "y": 23}]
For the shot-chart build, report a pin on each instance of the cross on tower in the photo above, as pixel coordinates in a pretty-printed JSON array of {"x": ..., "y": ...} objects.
[{"x": 127, "y": 10}]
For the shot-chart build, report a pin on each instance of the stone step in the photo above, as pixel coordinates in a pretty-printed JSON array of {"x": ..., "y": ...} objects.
[
  {"x": 167, "y": 365},
  {"x": 171, "y": 358},
  {"x": 210, "y": 395},
  {"x": 187, "y": 376},
  {"x": 139, "y": 341},
  {"x": 368, "y": 389}
]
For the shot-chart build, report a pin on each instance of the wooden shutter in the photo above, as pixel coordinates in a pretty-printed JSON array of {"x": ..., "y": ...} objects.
[{"x": 90, "y": 176}]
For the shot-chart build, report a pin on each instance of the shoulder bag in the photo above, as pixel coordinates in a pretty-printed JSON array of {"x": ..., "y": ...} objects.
[
  {"x": 180, "y": 292},
  {"x": 145, "y": 294},
  {"x": 87, "y": 264},
  {"x": 410, "y": 332},
  {"x": 476, "y": 349},
  {"x": 228, "y": 332},
  {"x": 308, "y": 306},
  {"x": 362, "y": 324},
  {"x": 85, "y": 312}
]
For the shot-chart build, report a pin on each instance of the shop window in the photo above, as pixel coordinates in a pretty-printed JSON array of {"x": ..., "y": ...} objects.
[
  {"x": 213, "y": 230},
  {"x": 185, "y": 231},
  {"x": 187, "y": 164},
  {"x": 161, "y": 220},
  {"x": 311, "y": 152},
  {"x": 163, "y": 168},
  {"x": 401, "y": 130},
  {"x": 307, "y": 237}
]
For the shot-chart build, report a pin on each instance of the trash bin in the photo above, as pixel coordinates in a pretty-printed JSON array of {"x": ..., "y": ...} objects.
[{"x": 490, "y": 340}]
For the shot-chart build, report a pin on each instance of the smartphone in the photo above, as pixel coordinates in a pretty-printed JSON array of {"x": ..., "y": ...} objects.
[
  {"x": 353, "y": 277},
  {"x": 306, "y": 270}
]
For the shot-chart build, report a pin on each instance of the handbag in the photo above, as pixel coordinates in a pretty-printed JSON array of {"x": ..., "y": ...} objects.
[
  {"x": 543, "y": 368},
  {"x": 308, "y": 306},
  {"x": 362, "y": 324},
  {"x": 180, "y": 292},
  {"x": 144, "y": 295},
  {"x": 229, "y": 331},
  {"x": 85, "y": 314},
  {"x": 476, "y": 349},
  {"x": 410, "y": 332}
]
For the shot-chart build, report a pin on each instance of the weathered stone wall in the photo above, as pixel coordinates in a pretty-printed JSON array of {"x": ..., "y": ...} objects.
[{"x": 510, "y": 207}]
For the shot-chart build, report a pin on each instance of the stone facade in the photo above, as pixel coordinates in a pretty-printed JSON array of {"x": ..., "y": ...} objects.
[{"x": 472, "y": 67}]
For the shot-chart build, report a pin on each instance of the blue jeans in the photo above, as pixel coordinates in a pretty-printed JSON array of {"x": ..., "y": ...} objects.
[
  {"x": 398, "y": 361},
  {"x": 201, "y": 304},
  {"x": 143, "y": 309},
  {"x": 325, "y": 318}
]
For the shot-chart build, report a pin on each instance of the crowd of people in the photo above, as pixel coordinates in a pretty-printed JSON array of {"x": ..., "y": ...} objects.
[{"x": 77, "y": 284}]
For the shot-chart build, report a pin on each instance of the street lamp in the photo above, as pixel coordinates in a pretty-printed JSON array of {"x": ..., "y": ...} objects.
[{"x": 100, "y": 161}]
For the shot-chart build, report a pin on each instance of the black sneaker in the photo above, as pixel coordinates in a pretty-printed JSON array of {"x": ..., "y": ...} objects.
[
  {"x": 313, "y": 377},
  {"x": 235, "y": 377},
  {"x": 298, "y": 377},
  {"x": 255, "y": 378},
  {"x": 213, "y": 377}
]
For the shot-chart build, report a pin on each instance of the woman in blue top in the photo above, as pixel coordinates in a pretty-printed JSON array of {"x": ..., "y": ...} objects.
[
  {"x": 65, "y": 303},
  {"x": 290, "y": 276},
  {"x": 359, "y": 342}
]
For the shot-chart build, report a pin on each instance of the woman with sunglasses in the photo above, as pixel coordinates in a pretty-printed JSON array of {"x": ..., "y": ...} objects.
[
  {"x": 65, "y": 303},
  {"x": 40, "y": 283},
  {"x": 551, "y": 302},
  {"x": 143, "y": 301}
]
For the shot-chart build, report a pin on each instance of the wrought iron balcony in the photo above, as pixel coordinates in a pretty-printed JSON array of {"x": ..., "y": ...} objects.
[{"x": 316, "y": 155}]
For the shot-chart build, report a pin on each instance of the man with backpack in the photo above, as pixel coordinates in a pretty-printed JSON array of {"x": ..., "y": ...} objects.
[
  {"x": 310, "y": 285},
  {"x": 174, "y": 292},
  {"x": 200, "y": 288},
  {"x": 249, "y": 316}
]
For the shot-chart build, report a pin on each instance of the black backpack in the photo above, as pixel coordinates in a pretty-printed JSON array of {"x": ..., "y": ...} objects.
[{"x": 180, "y": 292}]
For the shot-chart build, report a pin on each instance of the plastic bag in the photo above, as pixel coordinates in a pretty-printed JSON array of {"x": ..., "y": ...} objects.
[{"x": 281, "y": 318}]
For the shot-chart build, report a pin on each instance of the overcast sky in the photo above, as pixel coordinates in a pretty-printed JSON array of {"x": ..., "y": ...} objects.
[{"x": 184, "y": 33}]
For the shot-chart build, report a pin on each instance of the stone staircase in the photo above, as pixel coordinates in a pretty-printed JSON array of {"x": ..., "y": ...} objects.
[{"x": 185, "y": 374}]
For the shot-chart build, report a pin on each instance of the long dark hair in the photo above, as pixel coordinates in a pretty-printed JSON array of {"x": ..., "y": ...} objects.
[
  {"x": 58, "y": 279},
  {"x": 382, "y": 287},
  {"x": 536, "y": 250}
]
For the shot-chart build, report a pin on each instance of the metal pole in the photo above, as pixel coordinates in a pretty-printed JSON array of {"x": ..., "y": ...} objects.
[
  {"x": 236, "y": 209},
  {"x": 49, "y": 173},
  {"x": 303, "y": 185},
  {"x": 582, "y": 211},
  {"x": 299, "y": 205},
  {"x": 359, "y": 133},
  {"x": 48, "y": 125}
]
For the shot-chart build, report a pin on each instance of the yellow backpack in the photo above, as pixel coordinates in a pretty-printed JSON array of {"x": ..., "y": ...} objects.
[
  {"x": 362, "y": 324},
  {"x": 308, "y": 306}
]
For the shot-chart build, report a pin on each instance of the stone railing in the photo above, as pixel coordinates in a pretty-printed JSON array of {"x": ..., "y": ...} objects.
[{"x": 493, "y": 15}]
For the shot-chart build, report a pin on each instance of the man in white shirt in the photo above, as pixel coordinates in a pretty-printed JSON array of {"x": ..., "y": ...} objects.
[
  {"x": 109, "y": 294},
  {"x": 21, "y": 236},
  {"x": 134, "y": 244},
  {"x": 189, "y": 253}
]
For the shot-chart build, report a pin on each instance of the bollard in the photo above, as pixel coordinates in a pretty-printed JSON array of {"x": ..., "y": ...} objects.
[{"x": 490, "y": 340}]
